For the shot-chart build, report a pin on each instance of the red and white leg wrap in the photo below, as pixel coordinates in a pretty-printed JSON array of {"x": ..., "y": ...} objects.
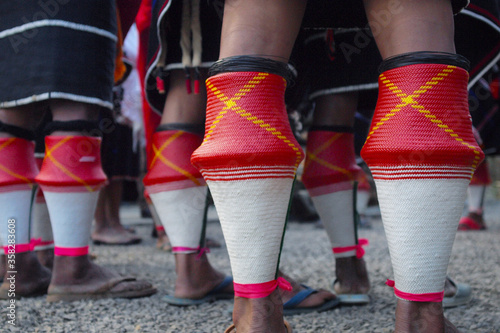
[
  {"x": 177, "y": 189},
  {"x": 154, "y": 215},
  {"x": 477, "y": 188},
  {"x": 363, "y": 193},
  {"x": 17, "y": 173},
  {"x": 330, "y": 171},
  {"x": 249, "y": 158},
  {"x": 41, "y": 229},
  {"x": 41, "y": 234},
  {"x": 422, "y": 154},
  {"x": 70, "y": 177}
]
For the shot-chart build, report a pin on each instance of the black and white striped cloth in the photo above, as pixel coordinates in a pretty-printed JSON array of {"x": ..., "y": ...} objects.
[{"x": 57, "y": 49}]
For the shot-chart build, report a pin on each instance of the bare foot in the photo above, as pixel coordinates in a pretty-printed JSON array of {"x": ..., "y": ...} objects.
[
  {"x": 313, "y": 300},
  {"x": 29, "y": 277},
  {"x": 196, "y": 277},
  {"x": 114, "y": 235},
  {"x": 79, "y": 278},
  {"x": 259, "y": 314},
  {"x": 352, "y": 276},
  {"x": 46, "y": 257},
  {"x": 422, "y": 317}
]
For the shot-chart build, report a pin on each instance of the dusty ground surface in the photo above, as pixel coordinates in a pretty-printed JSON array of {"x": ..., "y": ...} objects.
[{"x": 306, "y": 257}]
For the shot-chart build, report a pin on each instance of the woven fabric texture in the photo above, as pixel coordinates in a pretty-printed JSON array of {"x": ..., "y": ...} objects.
[
  {"x": 252, "y": 215},
  {"x": 15, "y": 206},
  {"x": 481, "y": 175},
  {"x": 181, "y": 213},
  {"x": 247, "y": 125},
  {"x": 420, "y": 218},
  {"x": 71, "y": 232},
  {"x": 171, "y": 161},
  {"x": 422, "y": 119},
  {"x": 17, "y": 163},
  {"x": 72, "y": 161},
  {"x": 336, "y": 211},
  {"x": 330, "y": 159}
]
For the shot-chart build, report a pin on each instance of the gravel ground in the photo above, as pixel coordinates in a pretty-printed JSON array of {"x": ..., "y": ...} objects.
[{"x": 306, "y": 257}]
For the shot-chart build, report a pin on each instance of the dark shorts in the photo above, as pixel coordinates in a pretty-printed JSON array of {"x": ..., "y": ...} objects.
[
  {"x": 332, "y": 61},
  {"x": 166, "y": 55},
  {"x": 60, "y": 49}
]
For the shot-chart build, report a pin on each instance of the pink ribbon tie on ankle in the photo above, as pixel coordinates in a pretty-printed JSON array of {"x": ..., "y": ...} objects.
[
  {"x": 259, "y": 290},
  {"x": 428, "y": 297},
  {"x": 360, "y": 252},
  {"x": 18, "y": 248},
  {"x": 35, "y": 242},
  {"x": 71, "y": 251},
  {"x": 200, "y": 250}
]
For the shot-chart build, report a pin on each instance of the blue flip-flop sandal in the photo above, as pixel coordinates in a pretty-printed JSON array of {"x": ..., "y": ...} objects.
[{"x": 215, "y": 294}]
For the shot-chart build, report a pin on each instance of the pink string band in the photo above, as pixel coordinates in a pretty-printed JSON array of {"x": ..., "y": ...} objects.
[
  {"x": 43, "y": 243},
  {"x": 259, "y": 290},
  {"x": 200, "y": 250},
  {"x": 18, "y": 248},
  {"x": 428, "y": 297},
  {"x": 160, "y": 228},
  {"x": 360, "y": 252},
  {"x": 71, "y": 251},
  {"x": 38, "y": 242}
]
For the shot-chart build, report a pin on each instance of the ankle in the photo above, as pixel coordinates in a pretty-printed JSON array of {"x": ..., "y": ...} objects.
[
  {"x": 194, "y": 267},
  {"x": 259, "y": 314},
  {"x": 70, "y": 268},
  {"x": 419, "y": 316}
]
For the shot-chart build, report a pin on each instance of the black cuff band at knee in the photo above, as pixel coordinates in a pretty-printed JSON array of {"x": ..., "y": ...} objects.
[
  {"x": 17, "y": 131},
  {"x": 198, "y": 129},
  {"x": 338, "y": 129},
  {"x": 251, "y": 64},
  {"x": 90, "y": 128},
  {"x": 424, "y": 57}
]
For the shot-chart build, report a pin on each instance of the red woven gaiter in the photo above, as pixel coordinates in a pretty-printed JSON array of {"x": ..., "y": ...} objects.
[
  {"x": 170, "y": 167},
  {"x": 329, "y": 174},
  {"x": 245, "y": 127},
  {"x": 482, "y": 175},
  {"x": 422, "y": 154},
  {"x": 249, "y": 157},
  {"x": 17, "y": 173},
  {"x": 330, "y": 162},
  {"x": 17, "y": 164},
  {"x": 422, "y": 118},
  {"x": 72, "y": 163},
  {"x": 177, "y": 189}
]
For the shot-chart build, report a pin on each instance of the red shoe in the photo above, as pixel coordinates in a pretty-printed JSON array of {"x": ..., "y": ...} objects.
[{"x": 473, "y": 221}]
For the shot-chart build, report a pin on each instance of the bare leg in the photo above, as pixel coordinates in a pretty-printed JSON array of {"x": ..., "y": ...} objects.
[
  {"x": 195, "y": 275},
  {"x": 78, "y": 273},
  {"x": 336, "y": 110},
  {"x": 181, "y": 107},
  {"x": 339, "y": 110},
  {"x": 414, "y": 26},
  {"x": 108, "y": 229},
  {"x": 265, "y": 29},
  {"x": 32, "y": 277},
  {"x": 411, "y": 26}
]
